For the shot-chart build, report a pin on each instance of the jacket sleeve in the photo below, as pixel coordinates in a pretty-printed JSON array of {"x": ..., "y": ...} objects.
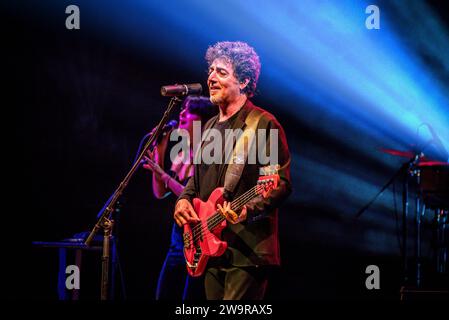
[
  {"x": 260, "y": 207},
  {"x": 189, "y": 191}
]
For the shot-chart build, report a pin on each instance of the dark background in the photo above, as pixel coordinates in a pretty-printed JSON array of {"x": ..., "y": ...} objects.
[{"x": 81, "y": 104}]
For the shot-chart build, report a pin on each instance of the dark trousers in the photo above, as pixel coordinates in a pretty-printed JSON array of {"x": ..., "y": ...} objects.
[
  {"x": 174, "y": 283},
  {"x": 172, "y": 278},
  {"x": 236, "y": 283}
]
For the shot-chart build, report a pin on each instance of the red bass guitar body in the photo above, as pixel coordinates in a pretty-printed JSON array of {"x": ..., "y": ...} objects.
[{"x": 202, "y": 240}]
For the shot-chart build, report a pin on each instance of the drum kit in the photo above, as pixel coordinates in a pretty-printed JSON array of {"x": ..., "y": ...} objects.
[{"x": 430, "y": 180}]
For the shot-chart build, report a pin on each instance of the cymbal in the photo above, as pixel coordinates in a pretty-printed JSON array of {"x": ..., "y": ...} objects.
[
  {"x": 398, "y": 153},
  {"x": 423, "y": 161},
  {"x": 405, "y": 154},
  {"x": 432, "y": 163}
]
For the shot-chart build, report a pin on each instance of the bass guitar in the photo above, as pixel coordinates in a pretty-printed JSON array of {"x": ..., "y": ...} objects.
[{"x": 202, "y": 239}]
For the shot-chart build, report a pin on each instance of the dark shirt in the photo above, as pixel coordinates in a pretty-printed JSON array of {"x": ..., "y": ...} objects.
[
  {"x": 254, "y": 241},
  {"x": 209, "y": 174}
]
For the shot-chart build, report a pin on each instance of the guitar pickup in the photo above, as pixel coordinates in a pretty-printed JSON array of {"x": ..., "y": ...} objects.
[{"x": 186, "y": 239}]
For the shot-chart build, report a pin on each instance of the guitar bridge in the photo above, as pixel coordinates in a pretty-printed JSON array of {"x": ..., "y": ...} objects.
[{"x": 196, "y": 258}]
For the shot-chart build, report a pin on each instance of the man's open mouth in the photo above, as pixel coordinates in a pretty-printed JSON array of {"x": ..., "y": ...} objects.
[{"x": 214, "y": 89}]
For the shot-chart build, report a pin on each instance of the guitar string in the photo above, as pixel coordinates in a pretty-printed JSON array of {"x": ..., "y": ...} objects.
[
  {"x": 198, "y": 233},
  {"x": 211, "y": 235},
  {"x": 210, "y": 219},
  {"x": 235, "y": 205},
  {"x": 213, "y": 221},
  {"x": 216, "y": 219},
  {"x": 242, "y": 197}
]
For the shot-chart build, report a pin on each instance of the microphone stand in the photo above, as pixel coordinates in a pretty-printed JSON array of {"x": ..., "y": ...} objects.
[
  {"x": 407, "y": 170},
  {"x": 406, "y": 165},
  {"x": 105, "y": 221}
]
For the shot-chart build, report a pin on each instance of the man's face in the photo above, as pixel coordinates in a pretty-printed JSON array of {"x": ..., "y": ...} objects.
[{"x": 224, "y": 87}]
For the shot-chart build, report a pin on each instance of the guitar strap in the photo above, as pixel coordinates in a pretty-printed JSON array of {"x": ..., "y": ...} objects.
[{"x": 245, "y": 143}]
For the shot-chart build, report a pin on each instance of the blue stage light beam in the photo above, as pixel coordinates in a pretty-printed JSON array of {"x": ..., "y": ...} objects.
[{"x": 362, "y": 88}]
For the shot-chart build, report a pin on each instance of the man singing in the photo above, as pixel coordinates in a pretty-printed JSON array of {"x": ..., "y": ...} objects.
[{"x": 251, "y": 234}]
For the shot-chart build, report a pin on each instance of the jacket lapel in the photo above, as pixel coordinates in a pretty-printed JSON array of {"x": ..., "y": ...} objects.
[{"x": 239, "y": 123}]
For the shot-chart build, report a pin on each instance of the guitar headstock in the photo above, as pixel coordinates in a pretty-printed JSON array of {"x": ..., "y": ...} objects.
[{"x": 267, "y": 183}]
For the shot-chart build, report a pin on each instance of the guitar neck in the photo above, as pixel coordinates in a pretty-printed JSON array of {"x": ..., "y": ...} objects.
[{"x": 236, "y": 205}]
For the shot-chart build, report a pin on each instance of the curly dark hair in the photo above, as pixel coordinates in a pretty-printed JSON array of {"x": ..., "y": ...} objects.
[{"x": 243, "y": 58}]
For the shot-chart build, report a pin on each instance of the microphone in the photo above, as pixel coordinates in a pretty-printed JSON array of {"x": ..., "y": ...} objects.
[
  {"x": 181, "y": 90},
  {"x": 167, "y": 127},
  {"x": 170, "y": 125}
]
